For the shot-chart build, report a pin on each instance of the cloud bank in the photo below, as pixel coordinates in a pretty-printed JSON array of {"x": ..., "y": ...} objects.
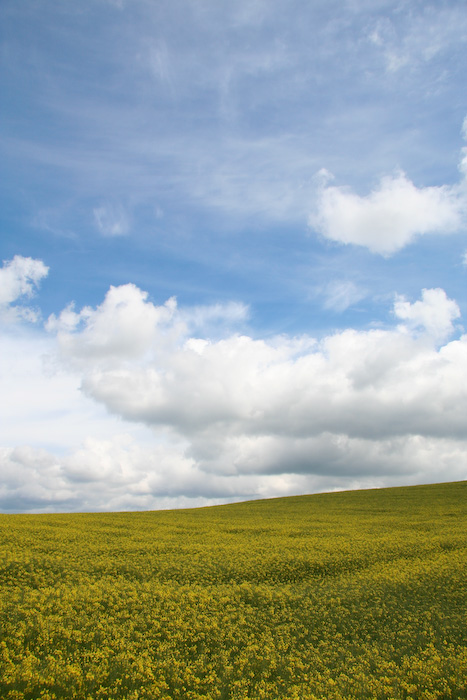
[
  {"x": 230, "y": 416},
  {"x": 373, "y": 384},
  {"x": 247, "y": 417}
]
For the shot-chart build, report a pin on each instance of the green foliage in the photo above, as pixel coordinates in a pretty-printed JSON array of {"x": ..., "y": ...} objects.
[{"x": 348, "y": 595}]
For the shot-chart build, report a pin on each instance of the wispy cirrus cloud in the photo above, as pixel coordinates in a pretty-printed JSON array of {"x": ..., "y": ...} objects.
[
  {"x": 340, "y": 295},
  {"x": 409, "y": 46},
  {"x": 226, "y": 119},
  {"x": 111, "y": 220}
]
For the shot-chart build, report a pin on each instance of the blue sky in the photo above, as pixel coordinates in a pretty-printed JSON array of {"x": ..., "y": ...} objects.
[{"x": 234, "y": 250}]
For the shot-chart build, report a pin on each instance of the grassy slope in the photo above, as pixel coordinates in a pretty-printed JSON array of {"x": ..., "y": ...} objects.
[{"x": 359, "y": 594}]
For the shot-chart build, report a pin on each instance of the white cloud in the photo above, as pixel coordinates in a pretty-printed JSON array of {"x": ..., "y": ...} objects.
[
  {"x": 117, "y": 474},
  {"x": 120, "y": 474},
  {"x": 194, "y": 420},
  {"x": 124, "y": 326},
  {"x": 390, "y": 217},
  {"x": 141, "y": 363},
  {"x": 56, "y": 444},
  {"x": 360, "y": 406},
  {"x": 19, "y": 278},
  {"x": 42, "y": 403},
  {"x": 393, "y": 214},
  {"x": 434, "y": 313}
]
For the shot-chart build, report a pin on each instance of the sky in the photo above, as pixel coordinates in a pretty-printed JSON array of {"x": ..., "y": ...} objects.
[{"x": 234, "y": 250}]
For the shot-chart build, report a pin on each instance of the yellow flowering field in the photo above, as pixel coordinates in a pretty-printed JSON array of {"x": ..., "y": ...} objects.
[{"x": 359, "y": 594}]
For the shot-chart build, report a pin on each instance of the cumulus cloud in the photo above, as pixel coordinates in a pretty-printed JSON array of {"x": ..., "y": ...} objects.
[
  {"x": 194, "y": 419},
  {"x": 363, "y": 384},
  {"x": 127, "y": 326},
  {"x": 393, "y": 214},
  {"x": 31, "y": 477},
  {"x": 121, "y": 474},
  {"x": 20, "y": 277},
  {"x": 364, "y": 407},
  {"x": 388, "y": 218},
  {"x": 124, "y": 326},
  {"x": 118, "y": 474},
  {"x": 434, "y": 313}
]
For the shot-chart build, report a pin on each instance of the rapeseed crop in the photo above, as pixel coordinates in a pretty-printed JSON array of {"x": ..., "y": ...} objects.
[{"x": 335, "y": 596}]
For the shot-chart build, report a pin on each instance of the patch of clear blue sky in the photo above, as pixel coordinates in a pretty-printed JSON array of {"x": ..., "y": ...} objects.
[{"x": 199, "y": 128}]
